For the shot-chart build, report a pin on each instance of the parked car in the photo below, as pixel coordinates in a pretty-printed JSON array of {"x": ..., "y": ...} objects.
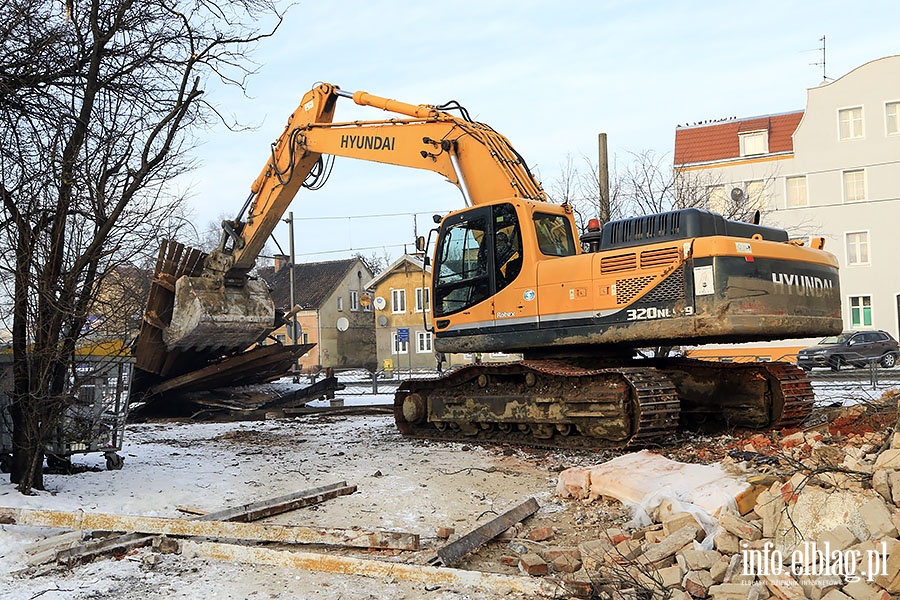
[{"x": 855, "y": 348}]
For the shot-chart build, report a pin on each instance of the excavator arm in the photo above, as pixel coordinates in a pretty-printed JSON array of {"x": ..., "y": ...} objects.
[{"x": 471, "y": 155}]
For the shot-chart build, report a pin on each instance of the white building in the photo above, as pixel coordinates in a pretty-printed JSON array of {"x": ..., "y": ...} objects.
[{"x": 831, "y": 171}]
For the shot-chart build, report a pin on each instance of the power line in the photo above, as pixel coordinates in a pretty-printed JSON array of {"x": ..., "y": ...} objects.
[{"x": 378, "y": 216}]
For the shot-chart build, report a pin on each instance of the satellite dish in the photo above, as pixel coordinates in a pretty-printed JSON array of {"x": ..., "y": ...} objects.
[
  {"x": 380, "y": 303},
  {"x": 737, "y": 194},
  {"x": 343, "y": 324},
  {"x": 382, "y": 320}
]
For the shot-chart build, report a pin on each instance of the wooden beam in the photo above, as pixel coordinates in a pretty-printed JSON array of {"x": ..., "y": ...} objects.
[
  {"x": 497, "y": 584},
  {"x": 255, "y": 511},
  {"x": 120, "y": 544},
  {"x": 454, "y": 551},
  {"x": 286, "y": 534}
]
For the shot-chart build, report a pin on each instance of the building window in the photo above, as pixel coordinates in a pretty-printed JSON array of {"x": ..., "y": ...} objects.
[
  {"x": 400, "y": 347},
  {"x": 756, "y": 195},
  {"x": 304, "y": 338},
  {"x": 279, "y": 337},
  {"x": 354, "y": 300},
  {"x": 398, "y": 301},
  {"x": 423, "y": 300},
  {"x": 754, "y": 143},
  {"x": 858, "y": 248},
  {"x": 892, "y": 116},
  {"x": 851, "y": 123},
  {"x": 861, "y": 311},
  {"x": 423, "y": 341},
  {"x": 796, "y": 191},
  {"x": 854, "y": 185},
  {"x": 717, "y": 198},
  {"x": 340, "y": 303}
]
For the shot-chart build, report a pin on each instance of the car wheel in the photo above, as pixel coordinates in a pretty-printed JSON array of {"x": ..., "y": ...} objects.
[
  {"x": 888, "y": 361},
  {"x": 836, "y": 362}
]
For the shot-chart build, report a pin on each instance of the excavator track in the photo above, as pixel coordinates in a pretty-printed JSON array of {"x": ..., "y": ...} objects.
[
  {"x": 567, "y": 404},
  {"x": 541, "y": 403}
]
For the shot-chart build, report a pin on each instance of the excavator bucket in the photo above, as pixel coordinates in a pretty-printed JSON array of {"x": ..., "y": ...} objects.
[{"x": 207, "y": 316}]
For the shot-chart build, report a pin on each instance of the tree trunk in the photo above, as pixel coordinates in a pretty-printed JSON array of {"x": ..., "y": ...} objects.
[{"x": 28, "y": 454}]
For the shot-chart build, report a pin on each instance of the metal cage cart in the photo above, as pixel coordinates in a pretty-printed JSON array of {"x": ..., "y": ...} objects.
[{"x": 95, "y": 418}]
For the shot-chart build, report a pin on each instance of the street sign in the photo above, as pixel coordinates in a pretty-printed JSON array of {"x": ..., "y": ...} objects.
[{"x": 403, "y": 334}]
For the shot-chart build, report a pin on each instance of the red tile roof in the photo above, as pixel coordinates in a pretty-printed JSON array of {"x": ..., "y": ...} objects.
[{"x": 719, "y": 141}]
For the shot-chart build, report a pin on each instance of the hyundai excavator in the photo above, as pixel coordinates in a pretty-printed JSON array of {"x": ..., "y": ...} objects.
[{"x": 510, "y": 274}]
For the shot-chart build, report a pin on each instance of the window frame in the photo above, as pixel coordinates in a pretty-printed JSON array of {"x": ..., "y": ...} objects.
[
  {"x": 340, "y": 303},
  {"x": 863, "y": 308},
  {"x": 428, "y": 338},
  {"x": 845, "y": 187},
  {"x": 423, "y": 299},
  {"x": 398, "y": 293},
  {"x": 759, "y": 134},
  {"x": 867, "y": 244},
  {"x": 895, "y": 119},
  {"x": 354, "y": 300},
  {"x": 862, "y": 124},
  {"x": 398, "y": 347},
  {"x": 788, "y": 187}
]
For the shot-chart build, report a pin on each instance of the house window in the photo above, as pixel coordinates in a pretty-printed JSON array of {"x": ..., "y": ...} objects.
[
  {"x": 400, "y": 347},
  {"x": 851, "y": 123},
  {"x": 796, "y": 191},
  {"x": 861, "y": 311},
  {"x": 854, "y": 185},
  {"x": 279, "y": 337},
  {"x": 340, "y": 303},
  {"x": 756, "y": 195},
  {"x": 423, "y": 341},
  {"x": 717, "y": 198},
  {"x": 304, "y": 338},
  {"x": 423, "y": 299},
  {"x": 754, "y": 143},
  {"x": 892, "y": 116},
  {"x": 398, "y": 301},
  {"x": 858, "y": 248},
  {"x": 354, "y": 300}
]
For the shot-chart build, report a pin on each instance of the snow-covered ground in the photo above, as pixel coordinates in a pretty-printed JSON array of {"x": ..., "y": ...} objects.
[{"x": 403, "y": 485}]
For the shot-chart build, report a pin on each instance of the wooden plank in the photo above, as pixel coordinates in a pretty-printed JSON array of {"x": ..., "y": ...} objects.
[
  {"x": 454, "y": 551},
  {"x": 285, "y": 534},
  {"x": 497, "y": 584},
  {"x": 255, "y": 511},
  {"x": 120, "y": 544}
]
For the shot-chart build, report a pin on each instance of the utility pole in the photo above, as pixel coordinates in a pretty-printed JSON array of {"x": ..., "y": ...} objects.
[
  {"x": 603, "y": 180},
  {"x": 293, "y": 333}
]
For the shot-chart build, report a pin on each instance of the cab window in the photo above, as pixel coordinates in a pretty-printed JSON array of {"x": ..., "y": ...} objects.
[
  {"x": 461, "y": 266},
  {"x": 554, "y": 235}
]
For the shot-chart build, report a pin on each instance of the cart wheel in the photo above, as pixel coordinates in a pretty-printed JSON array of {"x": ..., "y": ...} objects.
[
  {"x": 114, "y": 462},
  {"x": 5, "y": 463},
  {"x": 59, "y": 464}
]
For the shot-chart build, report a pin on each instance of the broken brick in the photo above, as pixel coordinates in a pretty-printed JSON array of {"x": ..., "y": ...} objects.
[
  {"x": 540, "y": 534},
  {"x": 532, "y": 564}
]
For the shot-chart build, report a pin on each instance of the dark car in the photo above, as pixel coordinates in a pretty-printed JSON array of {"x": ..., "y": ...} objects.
[{"x": 856, "y": 348}]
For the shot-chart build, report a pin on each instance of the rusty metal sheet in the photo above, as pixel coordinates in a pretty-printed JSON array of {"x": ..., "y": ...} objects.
[
  {"x": 286, "y": 534},
  {"x": 454, "y": 551}
]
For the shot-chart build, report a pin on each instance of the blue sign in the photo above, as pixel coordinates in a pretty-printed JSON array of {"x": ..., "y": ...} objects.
[{"x": 403, "y": 334}]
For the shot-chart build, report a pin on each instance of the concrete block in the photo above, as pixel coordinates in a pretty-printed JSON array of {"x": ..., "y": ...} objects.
[
  {"x": 877, "y": 518},
  {"x": 895, "y": 441},
  {"x": 729, "y": 591},
  {"x": 670, "y": 545},
  {"x": 671, "y": 576},
  {"x": 727, "y": 543},
  {"x": 863, "y": 590},
  {"x": 783, "y": 587},
  {"x": 697, "y": 583},
  {"x": 697, "y": 560},
  {"x": 719, "y": 569},
  {"x": 894, "y": 483},
  {"x": 839, "y": 538},
  {"x": 594, "y": 553},
  {"x": 881, "y": 483},
  {"x": 565, "y": 563},
  {"x": 739, "y": 527},
  {"x": 889, "y": 459},
  {"x": 676, "y": 521}
]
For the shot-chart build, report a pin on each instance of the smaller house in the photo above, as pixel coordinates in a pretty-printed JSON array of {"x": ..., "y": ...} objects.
[{"x": 331, "y": 315}]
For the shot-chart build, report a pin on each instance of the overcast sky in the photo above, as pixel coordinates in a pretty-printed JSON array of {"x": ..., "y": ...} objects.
[{"x": 548, "y": 75}]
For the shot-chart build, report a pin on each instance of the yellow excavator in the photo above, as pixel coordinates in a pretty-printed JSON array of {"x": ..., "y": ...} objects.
[{"x": 510, "y": 273}]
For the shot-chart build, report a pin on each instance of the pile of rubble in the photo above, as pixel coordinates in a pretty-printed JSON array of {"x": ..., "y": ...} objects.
[{"x": 820, "y": 522}]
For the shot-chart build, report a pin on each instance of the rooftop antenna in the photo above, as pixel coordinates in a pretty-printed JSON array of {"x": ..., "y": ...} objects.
[{"x": 825, "y": 78}]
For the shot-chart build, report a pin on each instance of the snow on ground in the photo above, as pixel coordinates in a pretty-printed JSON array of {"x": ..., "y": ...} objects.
[{"x": 403, "y": 485}]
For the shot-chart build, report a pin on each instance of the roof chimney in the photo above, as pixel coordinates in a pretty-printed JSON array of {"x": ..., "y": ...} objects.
[{"x": 281, "y": 261}]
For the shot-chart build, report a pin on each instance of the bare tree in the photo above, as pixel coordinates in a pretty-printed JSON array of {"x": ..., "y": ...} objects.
[{"x": 98, "y": 98}]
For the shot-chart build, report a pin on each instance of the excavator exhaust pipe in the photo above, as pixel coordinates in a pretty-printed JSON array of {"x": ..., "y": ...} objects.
[{"x": 210, "y": 316}]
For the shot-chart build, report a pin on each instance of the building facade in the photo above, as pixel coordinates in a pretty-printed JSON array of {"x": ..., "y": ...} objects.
[
  {"x": 830, "y": 171},
  {"x": 332, "y": 314}
]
